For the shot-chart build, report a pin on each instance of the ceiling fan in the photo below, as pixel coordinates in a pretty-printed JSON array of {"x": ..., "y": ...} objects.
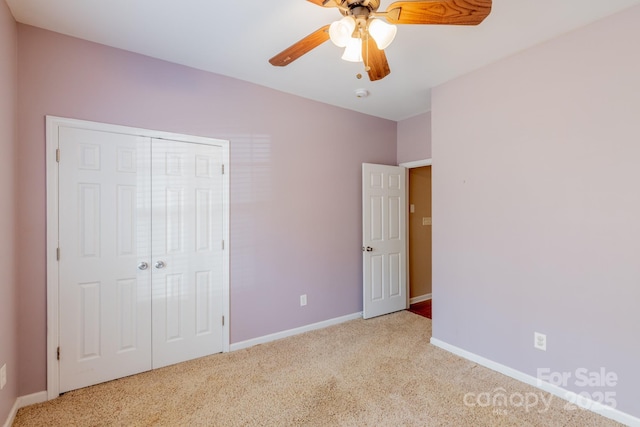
[{"x": 365, "y": 34}]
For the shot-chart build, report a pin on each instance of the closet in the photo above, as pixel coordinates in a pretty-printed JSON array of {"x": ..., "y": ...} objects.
[{"x": 141, "y": 252}]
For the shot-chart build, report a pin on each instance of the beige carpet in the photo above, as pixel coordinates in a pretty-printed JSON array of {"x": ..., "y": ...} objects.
[{"x": 377, "y": 372}]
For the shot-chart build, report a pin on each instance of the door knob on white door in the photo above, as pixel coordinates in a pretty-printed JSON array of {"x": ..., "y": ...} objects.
[
  {"x": 143, "y": 266},
  {"x": 160, "y": 264},
  {"x": 367, "y": 249}
]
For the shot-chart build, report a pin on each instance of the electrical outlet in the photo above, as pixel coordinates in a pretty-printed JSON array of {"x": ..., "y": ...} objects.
[
  {"x": 303, "y": 300},
  {"x": 3, "y": 376},
  {"x": 540, "y": 341}
]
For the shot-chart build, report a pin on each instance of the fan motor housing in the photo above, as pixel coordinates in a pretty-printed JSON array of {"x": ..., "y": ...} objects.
[{"x": 359, "y": 7}]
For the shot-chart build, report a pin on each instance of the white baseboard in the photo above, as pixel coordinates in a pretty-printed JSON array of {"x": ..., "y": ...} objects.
[
  {"x": 597, "y": 407},
  {"x": 421, "y": 298},
  {"x": 295, "y": 331},
  {"x": 23, "y": 401}
]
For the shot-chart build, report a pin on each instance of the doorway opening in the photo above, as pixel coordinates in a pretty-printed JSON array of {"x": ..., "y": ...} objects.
[{"x": 419, "y": 227}]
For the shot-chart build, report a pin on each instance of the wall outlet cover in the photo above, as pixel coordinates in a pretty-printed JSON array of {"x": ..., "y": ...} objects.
[
  {"x": 3, "y": 376},
  {"x": 540, "y": 341}
]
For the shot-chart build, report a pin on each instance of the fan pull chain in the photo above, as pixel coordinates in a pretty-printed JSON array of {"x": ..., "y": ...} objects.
[{"x": 366, "y": 65}]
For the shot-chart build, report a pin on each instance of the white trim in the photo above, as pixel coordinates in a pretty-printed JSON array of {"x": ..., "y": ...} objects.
[
  {"x": 52, "y": 126},
  {"x": 53, "y": 380},
  {"x": 12, "y": 414},
  {"x": 421, "y": 298},
  {"x": 23, "y": 401},
  {"x": 295, "y": 331},
  {"x": 411, "y": 165},
  {"x": 127, "y": 130},
  {"x": 593, "y": 406},
  {"x": 417, "y": 164}
]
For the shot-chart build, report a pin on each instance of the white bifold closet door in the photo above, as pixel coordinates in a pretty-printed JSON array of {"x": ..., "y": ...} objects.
[
  {"x": 140, "y": 238},
  {"x": 186, "y": 251}
]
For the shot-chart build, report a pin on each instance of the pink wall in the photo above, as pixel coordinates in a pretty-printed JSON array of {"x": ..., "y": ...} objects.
[
  {"x": 295, "y": 179},
  {"x": 536, "y": 201},
  {"x": 414, "y": 138},
  {"x": 8, "y": 139}
]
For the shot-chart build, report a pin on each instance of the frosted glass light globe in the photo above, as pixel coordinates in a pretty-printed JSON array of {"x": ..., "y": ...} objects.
[
  {"x": 353, "y": 51},
  {"x": 340, "y": 31},
  {"x": 382, "y": 33}
]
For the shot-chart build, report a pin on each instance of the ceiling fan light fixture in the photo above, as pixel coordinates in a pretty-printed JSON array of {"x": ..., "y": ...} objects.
[
  {"x": 340, "y": 31},
  {"x": 374, "y": 35},
  {"x": 382, "y": 33},
  {"x": 353, "y": 51}
]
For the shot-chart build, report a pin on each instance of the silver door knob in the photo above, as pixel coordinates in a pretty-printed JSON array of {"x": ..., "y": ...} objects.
[
  {"x": 143, "y": 266},
  {"x": 160, "y": 264}
]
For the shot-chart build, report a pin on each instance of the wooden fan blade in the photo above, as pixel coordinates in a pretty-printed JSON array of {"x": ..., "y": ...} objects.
[
  {"x": 375, "y": 59},
  {"x": 446, "y": 12},
  {"x": 301, "y": 47},
  {"x": 325, "y": 3}
]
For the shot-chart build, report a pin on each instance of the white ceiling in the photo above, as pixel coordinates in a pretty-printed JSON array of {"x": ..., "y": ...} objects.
[{"x": 237, "y": 37}]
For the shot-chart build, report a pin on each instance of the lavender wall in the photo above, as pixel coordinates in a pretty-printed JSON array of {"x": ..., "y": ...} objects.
[
  {"x": 414, "y": 138},
  {"x": 536, "y": 198},
  {"x": 295, "y": 179},
  {"x": 8, "y": 139}
]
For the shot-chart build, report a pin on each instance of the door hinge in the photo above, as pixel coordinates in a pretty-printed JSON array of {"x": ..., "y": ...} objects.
[
  {"x": 58, "y": 254},
  {"x": 58, "y": 155},
  {"x": 222, "y": 320},
  {"x": 223, "y": 169},
  {"x": 223, "y": 245},
  {"x": 58, "y": 353}
]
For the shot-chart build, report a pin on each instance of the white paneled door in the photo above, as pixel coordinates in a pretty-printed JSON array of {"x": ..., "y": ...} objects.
[
  {"x": 141, "y": 265},
  {"x": 186, "y": 251},
  {"x": 384, "y": 239},
  {"x": 104, "y": 226}
]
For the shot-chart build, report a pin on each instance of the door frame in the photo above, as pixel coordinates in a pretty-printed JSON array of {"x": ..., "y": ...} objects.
[
  {"x": 53, "y": 124},
  {"x": 412, "y": 165}
]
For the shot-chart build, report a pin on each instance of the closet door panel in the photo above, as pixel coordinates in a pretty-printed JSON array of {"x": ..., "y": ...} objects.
[
  {"x": 187, "y": 251},
  {"x": 104, "y": 229}
]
